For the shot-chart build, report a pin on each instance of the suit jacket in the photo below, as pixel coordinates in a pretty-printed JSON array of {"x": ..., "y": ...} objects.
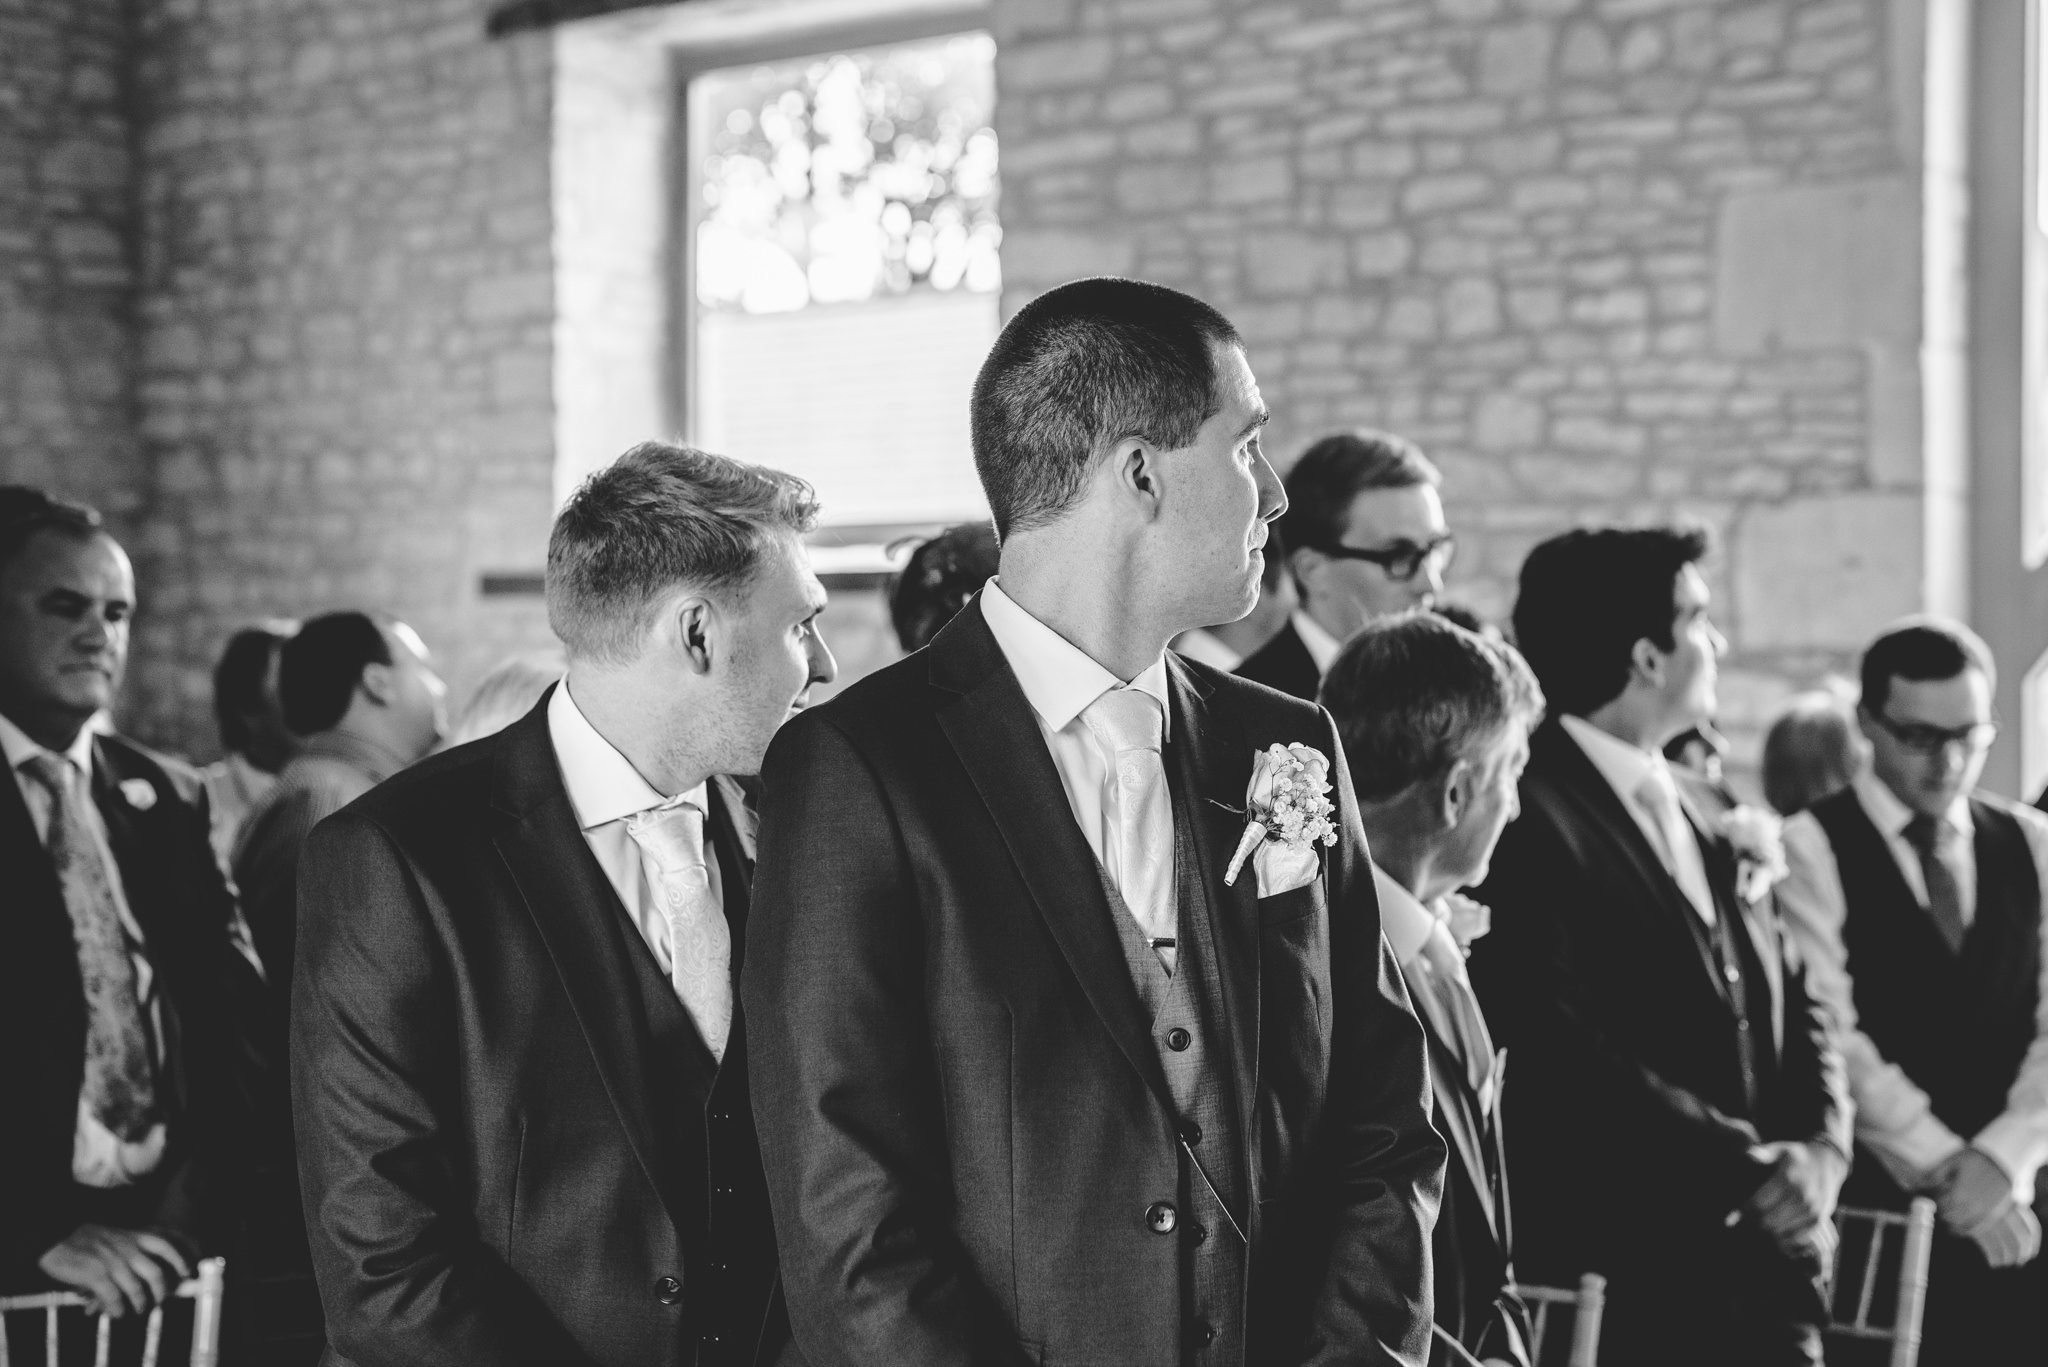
[
  {"x": 1602, "y": 981},
  {"x": 964, "y": 1118},
  {"x": 1284, "y": 663},
  {"x": 513, "y": 1145},
  {"x": 205, "y": 976},
  {"x": 1472, "y": 1245}
]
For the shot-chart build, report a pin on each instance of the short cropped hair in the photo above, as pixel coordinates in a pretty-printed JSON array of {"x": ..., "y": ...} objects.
[
  {"x": 658, "y": 517},
  {"x": 1588, "y": 596},
  {"x": 319, "y": 667},
  {"x": 938, "y": 579},
  {"x": 1079, "y": 369},
  {"x": 1331, "y": 474},
  {"x": 1919, "y": 649},
  {"x": 1413, "y": 693},
  {"x": 238, "y": 682},
  {"x": 24, "y": 511}
]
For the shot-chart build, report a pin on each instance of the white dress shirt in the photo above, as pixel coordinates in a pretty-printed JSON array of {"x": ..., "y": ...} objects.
[
  {"x": 1627, "y": 768},
  {"x": 1893, "y": 1115},
  {"x": 1410, "y": 928},
  {"x": 98, "y": 1158},
  {"x": 1059, "y": 681},
  {"x": 605, "y": 789},
  {"x": 1321, "y": 645}
]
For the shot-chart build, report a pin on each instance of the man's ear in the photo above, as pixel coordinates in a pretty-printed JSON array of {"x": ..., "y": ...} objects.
[
  {"x": 1454, "y": 794},
  {"x": 694, "y": 627},
  {"x": 1646, "y": 662},
  {"x": 1305, "y": 566},
  {"x": 379, "y": 683},
  {"x": 1135, "y": 465}
]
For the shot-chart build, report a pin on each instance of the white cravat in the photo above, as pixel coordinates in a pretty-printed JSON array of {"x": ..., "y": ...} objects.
[
  {"x": 1657, "y": 795},
  {"x": 699, "y": 939},
  {"x": 1128, "y": 724},
  {"x": 1454, "y": 1010}
]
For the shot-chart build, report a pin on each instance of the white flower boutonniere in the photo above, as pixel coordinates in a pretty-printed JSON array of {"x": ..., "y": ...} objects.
[
  {"x": 1758, "y": 838},
  {"x": 1287, "y": 811},
  {"x": 138, "y": 793},
  {"x": 1466, "y": 919}
]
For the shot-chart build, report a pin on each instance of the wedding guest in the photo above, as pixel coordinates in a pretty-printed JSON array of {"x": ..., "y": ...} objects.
[
  {"x": 255, "y": 741},
  {"x": 1365, "y": 538},
  {"x": 1435, "y": 722},
  {"x": 940, "y": 577},
  {"x": 1918, "y": 902},
  {"x": 1226, "y": 645},
  {"x": 125, "y": 1098},
  {"x": 1042, "y": 1075},
  {"x": 519, "y": 1067},
  {"x": 1812, "y": 751},
  {"x": 1680, "y": 1122},
  {"x": 504, "y": 695}
]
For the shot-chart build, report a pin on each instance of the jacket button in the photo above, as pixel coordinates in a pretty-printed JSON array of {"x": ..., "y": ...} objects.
[
  {"x": 1205, "y": 1332},
  {"x": 1161, "y": 1217},
  {"x": 1190, "y": 1133},
  {"x": 1178, "y": 1039},
  {"x": 1201, "y": 1234},
  {"x": 668, "y": 1291}
]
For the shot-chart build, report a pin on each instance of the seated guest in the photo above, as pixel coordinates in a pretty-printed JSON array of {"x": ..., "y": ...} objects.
[
  {"x": 1918, "y": 902},
  {"x": 124, "y": 1094},
  {"x": 1226, "y": 645},
  {"x": 504, "y": 695},
  {"x": 1435, "y": 723},
  {"x": 938, "y": 579},
  {"x": 252, "y": 730},
  {"x": 1365, "y": 538},
  {"x": 1681, "y": 1122},
  {"x": 1812, "y": 751}
]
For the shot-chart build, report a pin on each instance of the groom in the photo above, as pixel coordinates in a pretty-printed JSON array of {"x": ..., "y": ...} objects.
[{"x": 1035, "y": 1081}]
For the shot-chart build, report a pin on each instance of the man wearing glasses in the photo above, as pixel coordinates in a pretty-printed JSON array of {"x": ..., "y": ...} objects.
[
  {"x": 1365, "y": 538},
  {"x": 1917, "y": 901}
]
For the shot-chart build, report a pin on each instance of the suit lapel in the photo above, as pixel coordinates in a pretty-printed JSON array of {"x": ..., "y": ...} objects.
[
  {"x": 1722, "y": 866},
  {"x": 1461, "y": 1120},
  {"x": 992, "y": 729},
  {"x": 580, "y": 921}
]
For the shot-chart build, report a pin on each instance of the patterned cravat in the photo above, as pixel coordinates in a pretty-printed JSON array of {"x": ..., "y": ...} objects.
[
  {"x": 699, "y": 939},
  {"x": 1932, "y": 839},
  {"x": 1130, "y": 727},
  {"x": 1455, "y": 1011},
  {"x": 120, "y": 1087},
  {"x": 1676, "y": 845}
]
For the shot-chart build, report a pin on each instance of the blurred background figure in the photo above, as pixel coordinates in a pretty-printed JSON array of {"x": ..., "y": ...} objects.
[
  {"x": 505, "y": 695},
  {"x": 1365, "y": 538},
  {"x": 1229, "y": 644},
  {"x": 938, "y": 579},
  {"x": 1812, "y": 751},
  {"x": 255, "y": 741},
  {"x": 1700, "y": 753}
]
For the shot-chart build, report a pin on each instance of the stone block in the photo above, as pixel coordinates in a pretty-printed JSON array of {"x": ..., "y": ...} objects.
[
  {"x": 1825, "y": 573},
  {"x": 1507, "y": 422},
  {"x": 1818, "y": 266},
  {"x": 1382, "y": 254},
  {"x": 1054, "y": 64},
  {"x": 1471, "y": 308},
  {"x": 1515, "y": 60},
  {"x": 1251, "y": 180},
  {"x": 1436, "y": 194},
  {"x": 1292, "y": 263}
]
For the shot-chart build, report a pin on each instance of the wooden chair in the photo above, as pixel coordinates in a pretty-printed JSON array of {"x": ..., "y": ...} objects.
[
  {"x": 1587, "y": 1304},
  {"x": 204, "y": 1291},
  {"x": 1915, "y": 1242}
]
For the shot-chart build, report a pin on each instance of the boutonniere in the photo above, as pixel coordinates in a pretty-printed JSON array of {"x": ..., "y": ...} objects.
[
  {"x": 1287, "y": 814},
  {"x": 1466, "y": 919},
  {"x": 1758, "y": 838},
  {"x": 138, "y": 793}
]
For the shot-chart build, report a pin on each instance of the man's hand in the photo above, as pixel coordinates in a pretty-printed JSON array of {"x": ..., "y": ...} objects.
[
  {"x": 1796, "y": 1202},
  {"x": 124, "y": 1271},
  {"x": 1976, "y": 1201}
]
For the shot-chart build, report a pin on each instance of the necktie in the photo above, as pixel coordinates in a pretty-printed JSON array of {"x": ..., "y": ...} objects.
[
  {"x": 1679, "y": 850},
  {"x": 699, "y": 938},
  {"x": 120, "y": 1087},
  {"x": 1457, "y": 1012},
  {"x": 1931, "y": 839},
  {"x": 1129, "y": 725}
]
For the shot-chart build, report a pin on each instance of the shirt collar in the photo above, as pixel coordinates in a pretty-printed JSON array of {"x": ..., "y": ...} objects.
[
  {"x": 1892, "y": 816},
  {"x": 20, "y": 749},
  {"x": 1059, "y": 679},
  {"x": 603, "y": 784},
  {"x": 1322, "y": 647},
  {"x": 1625, "y": 767},
  {"x": 1405, "y": 922}
]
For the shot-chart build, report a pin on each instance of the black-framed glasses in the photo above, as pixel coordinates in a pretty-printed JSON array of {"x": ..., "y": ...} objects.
[
  {"x": 1923, "y": 739},
  {"x": 1403, "y": 560}
]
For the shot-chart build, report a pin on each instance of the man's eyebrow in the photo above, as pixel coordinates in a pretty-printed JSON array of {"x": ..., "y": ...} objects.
[{"x": 1258, "y": 420}]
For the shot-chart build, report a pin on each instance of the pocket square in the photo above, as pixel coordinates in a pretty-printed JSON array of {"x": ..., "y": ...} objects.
[{"x": 1283, "y": 867}]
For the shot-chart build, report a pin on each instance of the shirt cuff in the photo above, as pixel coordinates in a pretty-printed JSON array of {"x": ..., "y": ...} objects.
[{"x": 2015, "y": 1143}]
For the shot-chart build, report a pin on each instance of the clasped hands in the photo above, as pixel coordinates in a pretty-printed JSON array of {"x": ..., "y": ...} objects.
[
  {"x": 1795, "y": 1205},
  {"x": 1976, "y": 1201},
  {"x": 123, "y": 1271}
]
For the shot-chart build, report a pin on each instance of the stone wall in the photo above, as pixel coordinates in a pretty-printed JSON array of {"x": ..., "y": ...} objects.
[
  {"x": 1605, "y": 259},
  {"x": 346, "y": 299},
  {"x": 65, "y": 238}
]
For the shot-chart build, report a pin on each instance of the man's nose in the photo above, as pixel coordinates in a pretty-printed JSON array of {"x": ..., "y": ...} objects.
[
  {"x": 94, "y": 632},
  {"x": 824, "y": 669},
  {"x": 1720, "y": 642},
  {"x": 1272, "y": 493}
]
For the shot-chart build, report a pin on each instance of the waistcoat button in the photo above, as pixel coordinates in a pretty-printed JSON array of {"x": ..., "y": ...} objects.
[
  {"x": 1161, "y": 1217},
  {"x": 1178, "y": 1039},
  {"x": 668, "y": 1291}
]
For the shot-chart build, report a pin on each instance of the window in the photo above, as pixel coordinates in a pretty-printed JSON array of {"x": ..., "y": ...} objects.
[
  {"x": 2034, "y": 324},
  {"x": 842, "y": 271}
]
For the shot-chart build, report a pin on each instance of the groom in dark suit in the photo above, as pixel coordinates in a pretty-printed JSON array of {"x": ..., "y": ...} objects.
[
  {"x": 1679, "y": 1115},
  {"x": 519, "y": 1070},
  {"x": 1037, "y": 1080}
]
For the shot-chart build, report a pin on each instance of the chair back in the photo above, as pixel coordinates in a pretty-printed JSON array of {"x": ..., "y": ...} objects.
[
  {"x": 1873, "y": 1243},
  {"x": 203, "y": 1290},
  {"x": 1586, "y": 1306}
]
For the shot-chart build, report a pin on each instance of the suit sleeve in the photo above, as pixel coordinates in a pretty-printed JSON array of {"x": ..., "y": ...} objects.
[
  {"x": 845, "y": 1091},
  {"x": 1385, "y": 1163},
  {"x": 1527, "y": 972},
  {"x": 2018, "y": 1138},
  {"x": 402, "y": 1278}
]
